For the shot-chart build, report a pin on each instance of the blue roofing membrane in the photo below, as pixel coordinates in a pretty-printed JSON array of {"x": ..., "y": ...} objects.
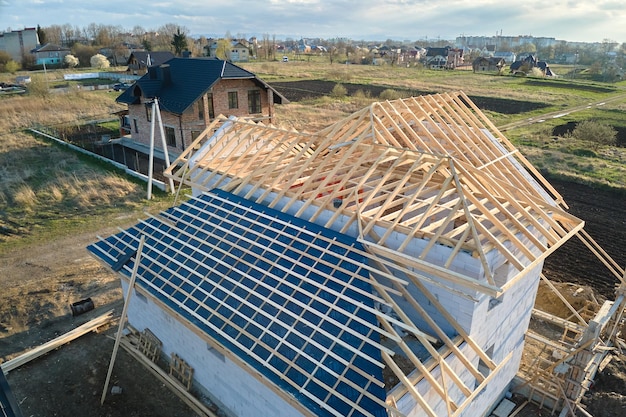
[{"x": 287, "y": 296}]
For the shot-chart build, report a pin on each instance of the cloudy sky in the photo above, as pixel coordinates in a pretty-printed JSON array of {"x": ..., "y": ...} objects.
[{"x": 571, "y": 20}]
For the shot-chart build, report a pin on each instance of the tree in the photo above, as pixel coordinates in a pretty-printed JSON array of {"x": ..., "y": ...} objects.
[
  {"x": 223, "y": 48},
  {"x": 99, "y": 61},
  {"x": 71, "y": 61},
  {"x": 53, "y": 34},
  {"x": 146, "y": 44},
  {"x": 41, "y": 35},
  {"x": 83, "y": 53},
  {"x": 28, "y": 61},
  {"x": 163, "y": 42},
  {"x": 179, "y": 42}
]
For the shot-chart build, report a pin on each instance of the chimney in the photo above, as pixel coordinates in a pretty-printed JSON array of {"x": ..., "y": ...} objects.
[
  {"x": 186, "y": 54},
  {"x": 164, "y": 74}
]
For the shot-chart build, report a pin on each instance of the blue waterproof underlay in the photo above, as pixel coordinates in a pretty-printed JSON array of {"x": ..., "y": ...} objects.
[{"x": 287, "y": 296}]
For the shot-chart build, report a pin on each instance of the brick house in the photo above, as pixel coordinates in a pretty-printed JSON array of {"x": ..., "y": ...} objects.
[{"x": 191, "y": 92}]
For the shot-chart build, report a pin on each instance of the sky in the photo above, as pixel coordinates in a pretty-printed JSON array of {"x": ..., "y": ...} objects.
[{"x": 371, "y": 20}]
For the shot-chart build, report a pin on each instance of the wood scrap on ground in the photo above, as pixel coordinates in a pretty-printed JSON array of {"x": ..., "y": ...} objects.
[{"x": 41, "y": 350}]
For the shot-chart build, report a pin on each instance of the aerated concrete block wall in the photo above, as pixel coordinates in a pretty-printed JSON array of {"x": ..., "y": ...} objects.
[{"x": 233, "y": 389}]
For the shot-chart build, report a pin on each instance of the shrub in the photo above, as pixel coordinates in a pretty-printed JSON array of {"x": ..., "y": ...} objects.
[
  {"x": 389, "y": 94},
  {"x": 71, "y": 61},
  {"x": 12, "y": 67},
  {"x": 584, "y": 152},
  {"x": 596, "y": 133},
  {"x": 38, "y": 86},
  {"x": 339, "y": 91}
]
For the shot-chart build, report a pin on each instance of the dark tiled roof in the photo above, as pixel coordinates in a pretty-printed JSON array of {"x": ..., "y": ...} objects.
[
  {"x": 156, "y": 57},
  {"x": 179, "y": 82},
  {"x": 49, "y": 48},
  {"x": 289, "y": 297}
]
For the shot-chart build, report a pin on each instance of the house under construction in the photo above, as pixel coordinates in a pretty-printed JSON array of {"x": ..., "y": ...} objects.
[{"x": 385, "y": 266}]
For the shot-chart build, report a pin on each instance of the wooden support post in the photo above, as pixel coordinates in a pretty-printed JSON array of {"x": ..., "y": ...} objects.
[
  {"x": 129, "y": 292},
  {"x": 151, "y": 155},
  {"x": 166, "y": 153}
]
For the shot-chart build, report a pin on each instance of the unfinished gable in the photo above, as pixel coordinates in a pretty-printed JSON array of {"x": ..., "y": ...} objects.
[{"x": 391, "y": 177}]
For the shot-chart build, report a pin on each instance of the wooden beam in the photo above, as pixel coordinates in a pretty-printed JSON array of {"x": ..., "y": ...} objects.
[
  {"x": 118, "y": 337},
  {"x": 55, "y": 343},
  {"x": 174, "y": 385}
]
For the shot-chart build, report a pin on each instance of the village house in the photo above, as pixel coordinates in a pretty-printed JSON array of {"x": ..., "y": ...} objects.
[
  {"x": 444, "y": 58},
  {"x": 49, "y": 54},
  {"x": 488, "y": 64},
  {"x": 190, "y": 93},
  {"x": 237, "y": 52},
  {"x": 139, "y": 61}
]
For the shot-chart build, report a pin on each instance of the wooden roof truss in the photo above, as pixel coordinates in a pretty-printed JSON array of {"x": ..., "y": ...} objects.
[{"x": 431, "y": 168}]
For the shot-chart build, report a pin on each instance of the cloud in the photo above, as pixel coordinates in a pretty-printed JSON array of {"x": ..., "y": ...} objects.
[{"x": 366, "y": 19}]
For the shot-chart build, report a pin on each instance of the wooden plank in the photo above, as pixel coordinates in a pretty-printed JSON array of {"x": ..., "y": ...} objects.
[
  {"x": 55, "y": 343},
  {"x": 122, "y": 321},
  {"x": 174, "y": 385}
]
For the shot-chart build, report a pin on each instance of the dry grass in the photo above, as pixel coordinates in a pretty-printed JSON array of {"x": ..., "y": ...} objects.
[{"x": 47, "y": 189}]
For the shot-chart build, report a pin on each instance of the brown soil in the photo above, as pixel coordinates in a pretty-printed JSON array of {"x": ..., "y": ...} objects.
[{"x": 307, "y": 89}]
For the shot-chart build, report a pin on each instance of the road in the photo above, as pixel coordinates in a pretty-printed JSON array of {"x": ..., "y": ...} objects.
[{"x": 556, "y": 114}]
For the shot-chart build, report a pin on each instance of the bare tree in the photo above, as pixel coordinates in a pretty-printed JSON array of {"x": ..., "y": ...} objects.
[
  {"x": 266, "y": 45},
  {"x": 165, "y": 34},
  {"x": 53, "y": 34},
  {"x": 138, "y": 32}
]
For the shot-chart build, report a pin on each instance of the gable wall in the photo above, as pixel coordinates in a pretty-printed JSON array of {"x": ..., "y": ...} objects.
[
  {"x": 225, "y": 383},
  {"x": 220, "y": 98},
  {"x": 189, "y": 121}
]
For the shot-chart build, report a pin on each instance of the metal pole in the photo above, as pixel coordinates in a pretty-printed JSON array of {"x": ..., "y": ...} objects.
[{"x": 129, "y": 292}]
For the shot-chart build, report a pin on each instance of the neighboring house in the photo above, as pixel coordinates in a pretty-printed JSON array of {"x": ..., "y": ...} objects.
[
  {"x": 50, "y": 54},
  {"x": 190, "y": 93},
  {"x": 526, "y": 65},
  {"x": 509, "y": 57},
  {"x": 488, "y": 50},
  {"x": 368, "y": 269},
  {"x": 19, "y": 43},
  {"x": 436, "y": 58},
  {"x": 238, "y": 52},
  {"x": 488, "y": 64},
  {"x": 139, "y": 61},
  {"x": 444, "y": 58}
]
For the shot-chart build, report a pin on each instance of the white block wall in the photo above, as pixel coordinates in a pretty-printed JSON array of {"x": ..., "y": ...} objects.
[
  {"x": 501, "y": 327},
  {"x": 233, "y": 389}
]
